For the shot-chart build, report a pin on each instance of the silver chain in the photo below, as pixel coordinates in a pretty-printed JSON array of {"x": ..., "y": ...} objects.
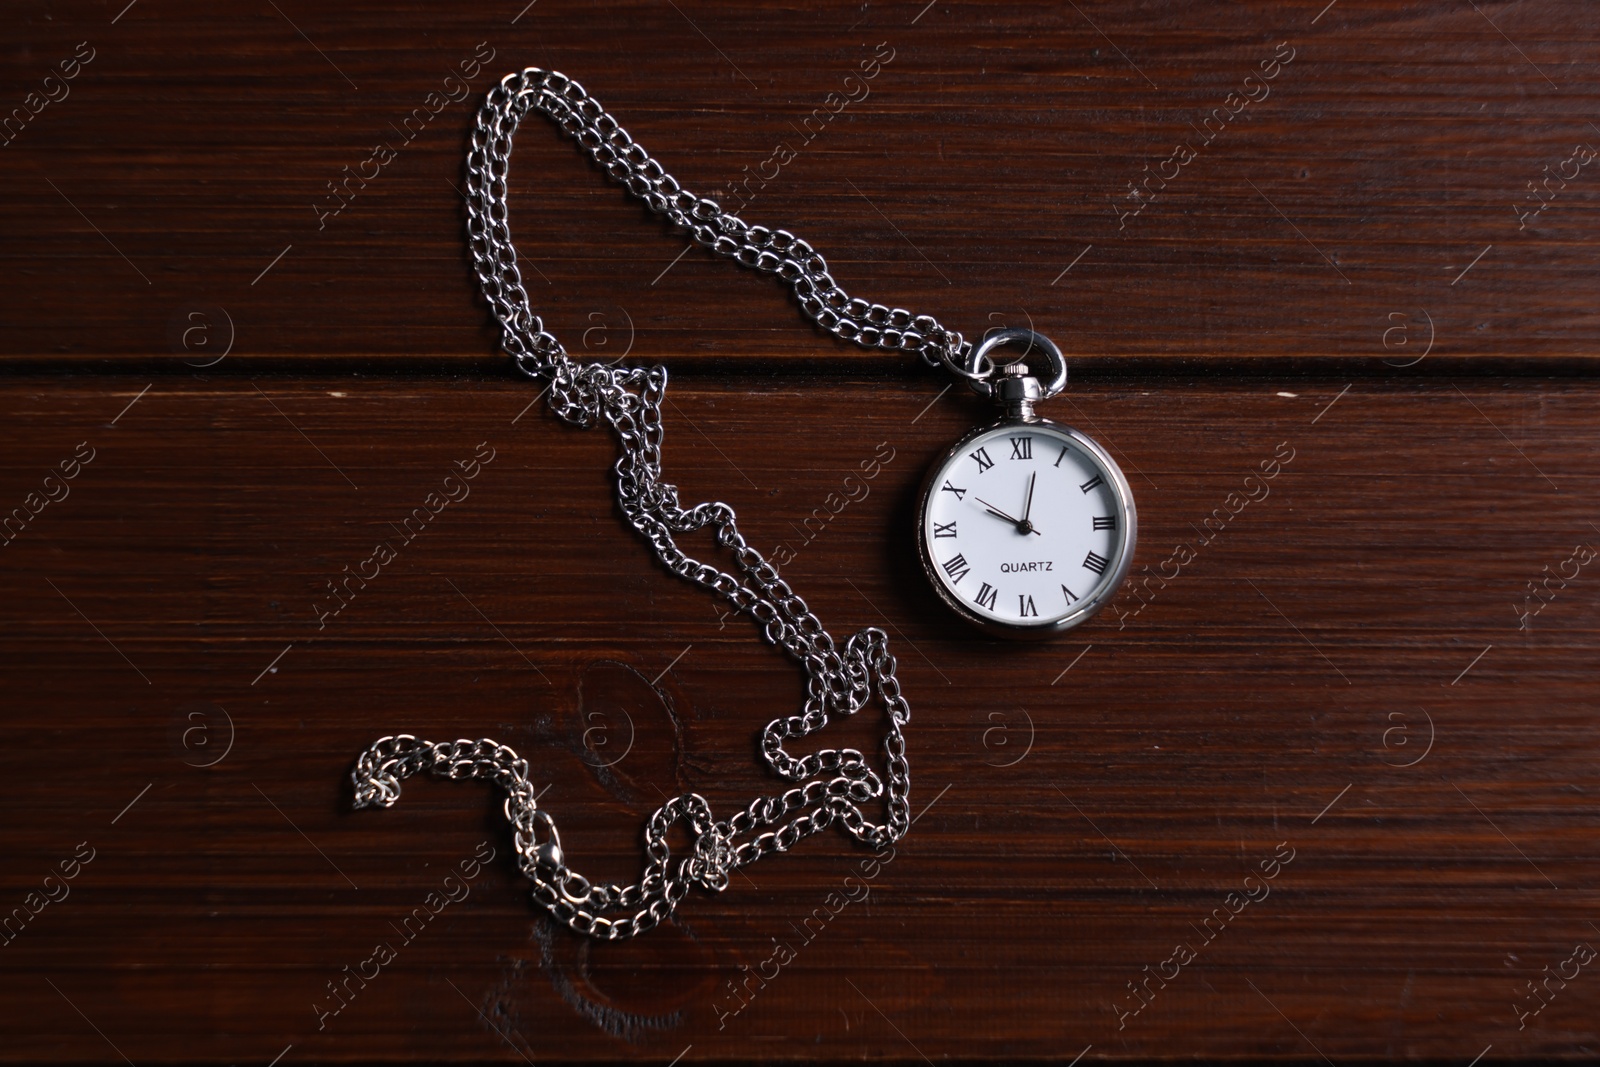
[
  {"x": 778, "y": 252},
  {"x": 834, "y": 782}
]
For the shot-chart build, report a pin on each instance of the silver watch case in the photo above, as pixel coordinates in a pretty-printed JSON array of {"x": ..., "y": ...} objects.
[{"x": 1090, "y": 604}]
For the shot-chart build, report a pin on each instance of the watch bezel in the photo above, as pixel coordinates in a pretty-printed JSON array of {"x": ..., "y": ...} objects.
[{"x": 1089, "y": 605}]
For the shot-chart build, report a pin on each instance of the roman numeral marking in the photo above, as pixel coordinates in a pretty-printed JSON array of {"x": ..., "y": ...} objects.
[
  {"x": 1105, "y": 522},
  {"x": 1071, "y": 596},
  {"x": 961, "y": 494},
  {"x": 944, "y": 529},
  {"x": 1092, "y": 482},
  {"x": 1025, "y": 607},
  {"x": 1021, "y": 447},
  {"x": 956, "y": 567},
  {"x": 982, "y": 456},
  {"x": 1061, "y": 457},
  {"x": 1095, "y": 563},
  {"x": 986, "y": 596}
]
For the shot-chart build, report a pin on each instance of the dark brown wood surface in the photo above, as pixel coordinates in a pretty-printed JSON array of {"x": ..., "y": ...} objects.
[
  {"x": 994, "y": 147},
  {"x": 1348, "y": 684}
]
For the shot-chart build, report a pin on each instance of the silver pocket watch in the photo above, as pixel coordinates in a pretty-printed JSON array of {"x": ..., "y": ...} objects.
[{"x": 1025, "y": 527}]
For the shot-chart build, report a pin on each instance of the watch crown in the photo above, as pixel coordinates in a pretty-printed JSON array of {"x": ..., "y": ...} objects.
[{"x": 1017, "y": 390}]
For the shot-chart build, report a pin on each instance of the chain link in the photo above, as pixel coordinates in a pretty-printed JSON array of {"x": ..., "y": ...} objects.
[{"x": 839, "y": 682}]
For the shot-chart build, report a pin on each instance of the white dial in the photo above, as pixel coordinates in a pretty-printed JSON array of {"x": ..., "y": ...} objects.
[{"x": 1027, "y": 526}]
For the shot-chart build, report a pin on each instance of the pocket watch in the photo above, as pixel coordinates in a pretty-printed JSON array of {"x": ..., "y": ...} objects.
[{"x": 1026, "y": 527}]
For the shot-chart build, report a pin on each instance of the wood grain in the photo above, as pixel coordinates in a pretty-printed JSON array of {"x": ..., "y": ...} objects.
[
  {"x": 1374, "y": 682},
  {"x": 992, "y": 152},
  {"x": 1266, "y": 695}
]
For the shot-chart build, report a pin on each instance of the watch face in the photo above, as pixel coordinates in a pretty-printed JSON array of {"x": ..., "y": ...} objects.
[{"x": 1027, "y": 528}]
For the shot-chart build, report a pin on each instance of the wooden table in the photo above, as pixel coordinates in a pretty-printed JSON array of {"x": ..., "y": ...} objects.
[{"x": 1320, "y": 785}]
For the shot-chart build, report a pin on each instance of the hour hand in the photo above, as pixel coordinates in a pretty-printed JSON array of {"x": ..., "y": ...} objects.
[{"x": 1023, "y": 526}]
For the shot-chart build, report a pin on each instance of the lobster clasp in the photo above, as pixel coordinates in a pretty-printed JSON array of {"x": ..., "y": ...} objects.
[{"x": 548, "y": 852}]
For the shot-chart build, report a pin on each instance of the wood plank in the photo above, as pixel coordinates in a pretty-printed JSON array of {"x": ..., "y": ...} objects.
[
  {"x": 1377, "y": 199},
  {"x": 1263, "y": 700}
]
